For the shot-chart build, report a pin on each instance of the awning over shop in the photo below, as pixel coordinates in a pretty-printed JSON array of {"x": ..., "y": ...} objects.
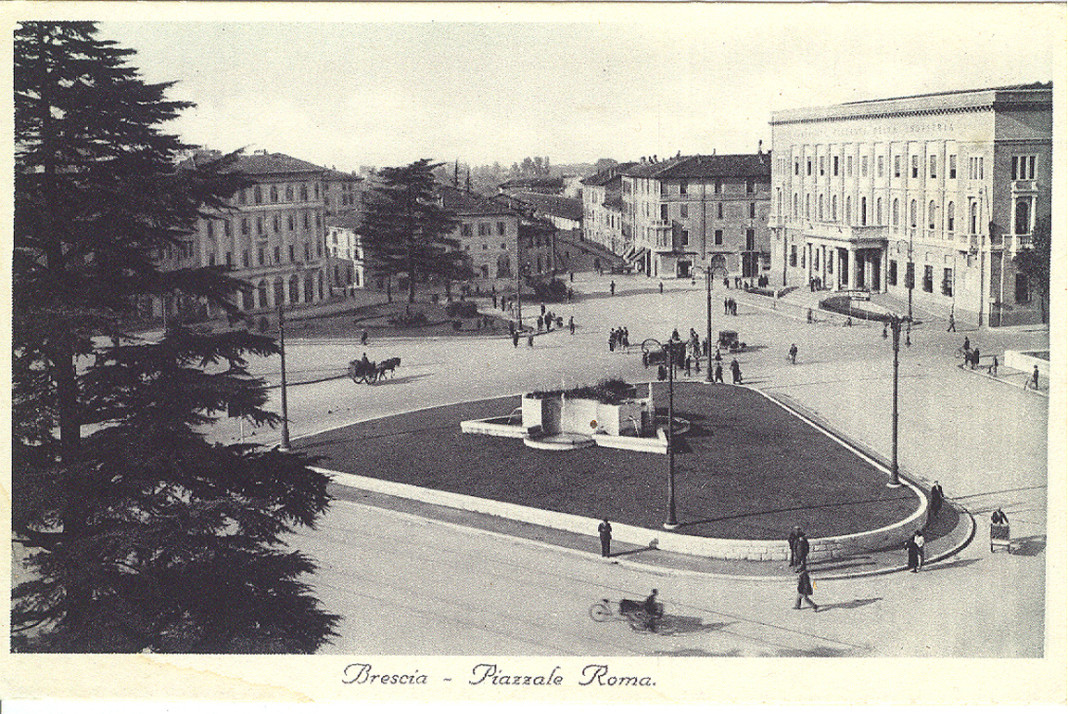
[{"x": 638, "y": 255}]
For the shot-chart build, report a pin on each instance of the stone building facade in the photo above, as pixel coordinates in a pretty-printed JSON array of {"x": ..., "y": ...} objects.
[
  {"x": 926, "y": 197},
  {"x": 698, "y": 212}
]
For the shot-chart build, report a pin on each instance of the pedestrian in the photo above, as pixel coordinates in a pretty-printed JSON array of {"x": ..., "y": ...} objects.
[
  {"x": 975, "y": 358},
  {"x": 612, "y": 287},
  {"x": 913, "y": 555},
  {"x": 515, "y": 339},
  {"x": 571, "y": 324},
  {"x": 363, "y": 337},
  {"x": 718, "y": 356},
  {"x": 1034, "y": 377},
  {"x": 611, "y": 340},
  {"x": 604, "y": 530},
  {"x": 908, "y": 335},
  {"x": 495, "y": 302},
  {"x": 661, "y": 287},
  {"x": 541, "y": 323},
  {"x": 530, "y": 340},
  {"x": 570, "y": 294},
  {"x": 809, "y": 316},
  {"x": 967, "y": 345},
  {"x": 917, "y": 538},
  {"x": 804, "y": 589},
  {"x": 993, "y": 368},
  {"x": 726, "y": 306},
  {"x": 688, "y": 364},
  {"x": 884, "y": 330},
  {"x": 736, "y": 372},
  {"x": 795, "y": 535},
  {"x": 543, "y": 309},
  {"x": 573, "y": 280},
  {"x": 952, "y": 323},
  {"x": 793, "y": 354},
  {"x": 624, "y": 338},
  {"x": 719, "y": 373},
  {"x": 937, "y": 497},
  {"x": 802, "y": 549}
]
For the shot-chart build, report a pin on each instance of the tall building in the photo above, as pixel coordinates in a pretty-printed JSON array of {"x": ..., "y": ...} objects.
[
  {"x": 488, "y": 233},
  {"x": 602, "y": 209},
  {"x": 707, "y": 211},
  {"x": 272, "y": 235},
  {"x": 927, "y": 197}
]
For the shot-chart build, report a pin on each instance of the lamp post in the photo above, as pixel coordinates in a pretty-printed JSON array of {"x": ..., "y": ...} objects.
[
  {"x": 894, "y": 321},
  {"x": 672, "y": 521},
  {"x": 910, "y": 271},
  {"x": 708, "y": 315},
  {"x": 282, "y": 353}
]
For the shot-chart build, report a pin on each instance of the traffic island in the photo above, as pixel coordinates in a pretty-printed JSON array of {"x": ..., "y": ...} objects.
[{"x": 747, "y": 471}]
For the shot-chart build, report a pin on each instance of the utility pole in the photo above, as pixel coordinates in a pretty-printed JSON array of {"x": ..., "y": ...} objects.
[
  {"x": 708, "y": 315},
  {"x": 282, "y": 353},
  {"x": 895, "y": 325}
]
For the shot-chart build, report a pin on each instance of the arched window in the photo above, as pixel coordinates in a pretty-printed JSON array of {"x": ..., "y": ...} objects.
[
  {"x": 819, "y": 215},
  {"x": 951, "y": 215},
  {"x": 262, "y": 290},
  {"x": 879, "y": 211},
  {"x": 849, "y": 211},
  {"x": 834, "y": 208},
  {"x": 808, "y": 200},
  {"x": 896, "y": 214},
  {"x": 912, "y": 214},
  {"x": 309, "y": 288},
  {"x": 1023, "y": 218},
  {"x": 320, "y": 280},
  {"x": 863, "y": 210},
  {"x": 974, "y": 219},
  {"x": 274, "y": 194},
  {"x": 279, "y": 290},
  {"x": 778, "y": 201},
  {"x": 932, "y": 215},
  {"x": 294, "y": 290},
  {"x": 257, "y": 195},
  {"x": 795, "y": 205}
]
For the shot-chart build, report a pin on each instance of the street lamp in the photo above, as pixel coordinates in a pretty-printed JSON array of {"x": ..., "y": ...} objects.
[
  {"x": 672, "y": 521},
  {"x": 895, "y": 321},
  {"x": 282, "y": 353},
  {"x": 708, "y": 314},
  {"x": 910, "y": 271}
]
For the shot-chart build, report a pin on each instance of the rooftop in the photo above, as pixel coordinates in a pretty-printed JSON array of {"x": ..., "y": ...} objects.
[
  {"x": 570, "y": 208},
  {"x": 606, "y": 176},
  {"x": 705, "y": 166},
  {"x": 468, "y": 203},
  {"x": 262, "y": 163},
  {"x": 1021, "y": 96}
]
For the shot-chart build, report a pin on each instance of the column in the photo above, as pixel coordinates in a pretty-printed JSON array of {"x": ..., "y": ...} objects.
[{"x": 848, "y": 277}]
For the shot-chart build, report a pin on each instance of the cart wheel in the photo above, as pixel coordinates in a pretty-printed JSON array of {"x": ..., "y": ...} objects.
[
  {"x": 372, "y": 377},
  {"x": 600, "y": 612}
]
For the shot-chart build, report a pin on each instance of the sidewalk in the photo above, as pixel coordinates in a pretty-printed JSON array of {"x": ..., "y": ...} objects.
[{"x": 949, "y": 533}]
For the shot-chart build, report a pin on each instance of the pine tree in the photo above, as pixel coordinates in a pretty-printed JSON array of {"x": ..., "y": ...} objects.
[
  {"x": 138, "y": 533},
  {"x": 405, "y": 227}
]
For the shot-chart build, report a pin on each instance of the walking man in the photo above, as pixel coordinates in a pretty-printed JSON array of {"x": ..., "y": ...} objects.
[
  {"x": 612, "y": 287},
  {"x": 993, "y": 368},
  {"x": 802, "y": 548},
  {"x": 515, "y": 339},
  {"x": 792, "y": 539},
  {"x": 793, "y": 354},
  {"x": 736, "y": 372},
  {"x": 804, "y": 589},
  {"x": 661, "y": 287},
  {"x": 718, "y": 377},
  {"x": 571, "y": 324},
  {"x": 937, "y": 497},
  {"x": 604, "y": 530},
  {"x": 1034, "y": 378},
  {"x": 952, "y": 323}
]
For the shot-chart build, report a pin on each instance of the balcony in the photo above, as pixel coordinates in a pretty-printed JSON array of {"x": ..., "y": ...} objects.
[
  {"x": 1024, "y": 187},
  {"x": 1011, "y": 242},
  {"x": 853, "y": 234}
]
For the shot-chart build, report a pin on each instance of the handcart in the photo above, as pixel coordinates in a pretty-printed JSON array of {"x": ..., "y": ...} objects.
[{"x": 999, "y": 537}]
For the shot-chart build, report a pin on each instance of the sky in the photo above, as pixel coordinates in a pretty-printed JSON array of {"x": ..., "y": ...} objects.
[{"x": 366, "y": 85}]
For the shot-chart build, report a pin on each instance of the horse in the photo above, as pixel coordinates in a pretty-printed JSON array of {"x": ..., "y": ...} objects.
[{"x": 388, "y": 365}]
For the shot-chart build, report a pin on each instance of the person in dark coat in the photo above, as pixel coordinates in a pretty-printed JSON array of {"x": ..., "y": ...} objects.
[
  {"x": 612, "y": 287},
  {"x": 802, "y": 549},
  {"x": 736, "y": 372},
  {"x": 571, "y": 324},
  {"x": 515, "y": 339},
  {"x": 795, "y": 535},
  {"x": 804, "y": 589},
  {"x": 914, "y": 555},
  {"x": 604, "y": 530},
  {"x": 937, "y": 497},
  {"x": 998, "y": 517},
  {"x": 719, "y": 373}
]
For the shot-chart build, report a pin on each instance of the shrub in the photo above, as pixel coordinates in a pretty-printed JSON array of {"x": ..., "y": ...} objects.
[
  {"x": 552, "y": 291},
  {"x": 461, "y": 309},
  {"x": 414, "y": 319}
]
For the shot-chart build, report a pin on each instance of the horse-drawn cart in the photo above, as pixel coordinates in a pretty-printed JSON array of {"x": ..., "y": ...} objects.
[{"x": 369, "y": 372}]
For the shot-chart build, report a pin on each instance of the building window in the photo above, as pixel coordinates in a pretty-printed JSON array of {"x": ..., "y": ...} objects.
[
  {"x": 934, "y": 166},
  {"x": 915, "y": 166},
  {"x": 950, "y": 215},
  {"x": 684, "y": 236},
  {"x": 932, "y": 215},
  {"x": 257, "y": 195},
  {"x": 243, "y": 196},
  {"x": 211, "y": 229},
  {"x": 952, "y": 166},
  {"x": 895, "y": 214},
  {"x": 974, "y": 223},
  {"x": 864, "y": 166},
  {"x": 226, "y": 228},
  {"x": 912, "y": 213},
  {"x": 879, "y": 211},
  {"x": 500, "y": 229},
  {"x": 834, "y": 169},
  {"x": 663, "y": 211},
  {"x": 881, "y": 166},
  {"x": 897, "y": 166},
  {"x": 822, "y": 170},
  {"x": 483, "y": 229},
  {"x": 849, "y": 166},
  {"x": 947, "y": 282},
  {"x": 244, "y": 259},
  {"x": 750, "y": 186},
  {"x": 797, "y": 167},
  {"x": 277, "y": 255},
  {"x": 259, "y": 226},
  {"x": 229, "y": 259},
  {"x": 719, "y": 210},
  {"x": 891, "y": 273},
  {"x": 1023, "y": 217},
  {"x": 750, "y": 239},
  {"x": 307, "y": 252},
  {"x": 307, "y": 220},
  {"x": 849, "y": 210},
  {"x": 928, "y": 279},
  {"x": 276, "y": 224},
  {"x": 682, "y": 188},
  {"x": 863, "y": 210},
  {"x": 292, "y": 254},
  {"x": 752, "y": 210},
  {"x": 795, "y": 206},
  {"x": 465, "y": 230},
  {"x": 289, "y": 192},
  {"x": 274, "y": 194},
  {"x": 290, "y": 221},
  {"x": 1023, "y": 168},
  {"x": 261, "y": 256},
  {"x": 211, "y": 259},
  {"x": 834, "y": 208},
  {"x": 503, "y": 246},
  {"x": 808, "y": 167},
  {"x": 684, "y": 211},
  {"x": 304, "y": 192},
  {"x": 718, "y": 237},
  {"x": 244, "y": 226},
  {"x": 1023, "y": 292},
  {"x": 819, "y": 211},
  {"x": 808, "y": 206}
]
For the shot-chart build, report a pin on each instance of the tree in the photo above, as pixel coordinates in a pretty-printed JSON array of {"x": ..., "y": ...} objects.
[
  {"x": 406, "y": 228},
  {"x": 139, "y": 534},
  {"x": 1034, "y": 262}
]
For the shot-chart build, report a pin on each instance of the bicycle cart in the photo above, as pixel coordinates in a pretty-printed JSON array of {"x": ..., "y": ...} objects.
[
  {"x": 633, "y": 611},
  {"x": 999, "y": 537}
]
